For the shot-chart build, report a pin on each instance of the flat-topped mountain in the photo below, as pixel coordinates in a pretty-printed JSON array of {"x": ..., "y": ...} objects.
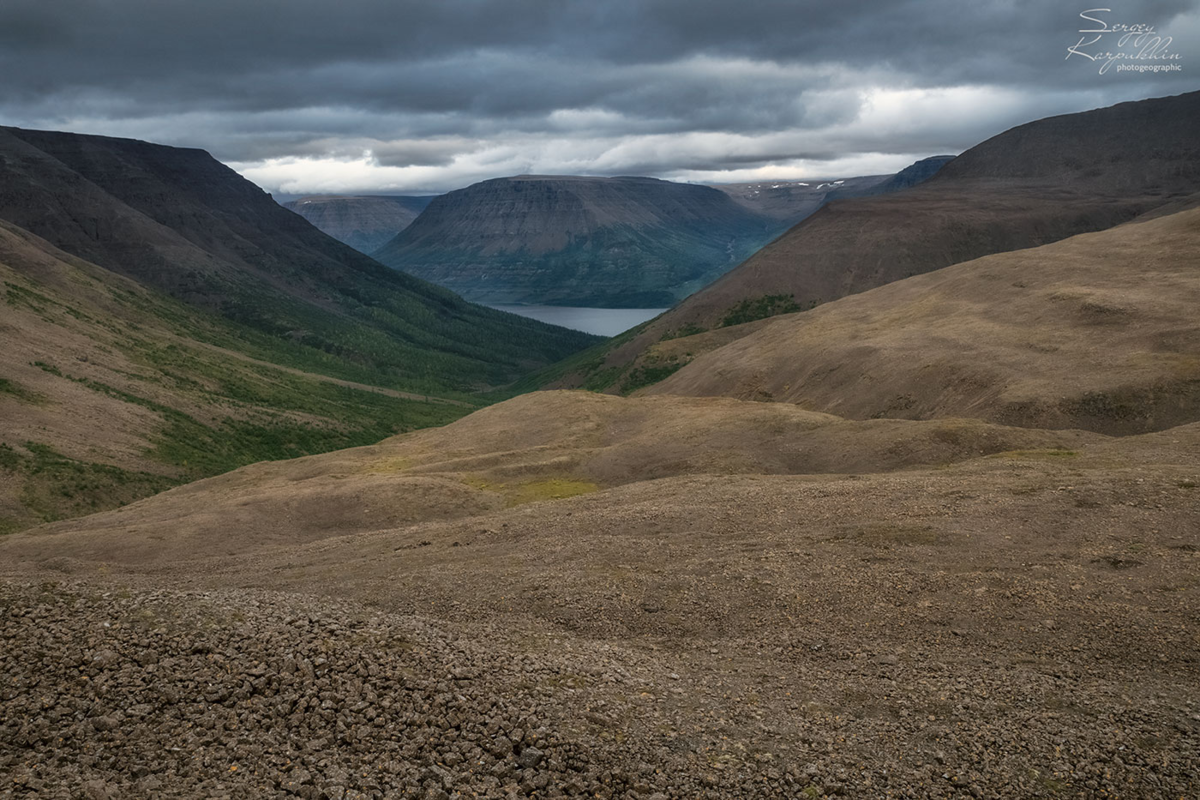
[
  {"x": 1029, "y": 186},
  {"x": 565, "y": 240},
  {"x": 365, "y": 222}
]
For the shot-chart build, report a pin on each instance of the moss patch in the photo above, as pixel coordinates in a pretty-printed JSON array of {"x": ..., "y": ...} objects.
[
  {"x": 533, "y": 491},
  {"x": 760, "y": 308},
  {"x": 13, "y": 389}
]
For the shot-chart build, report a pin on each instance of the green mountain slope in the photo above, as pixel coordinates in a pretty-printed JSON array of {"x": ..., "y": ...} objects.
[
  {"x": 181, "y": 222},
  {"x": 164, "y": 320}
]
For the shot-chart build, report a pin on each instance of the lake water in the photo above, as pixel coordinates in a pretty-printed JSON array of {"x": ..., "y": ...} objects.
[{"x": 600, "y": 321}]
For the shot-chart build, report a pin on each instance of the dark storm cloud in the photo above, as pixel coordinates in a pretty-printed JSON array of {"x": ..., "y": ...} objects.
[{"x": 657, "y": 86}]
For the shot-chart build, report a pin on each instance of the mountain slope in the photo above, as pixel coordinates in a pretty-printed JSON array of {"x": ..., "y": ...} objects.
[
  {"x": 791, "y": 201},
  {"x": 178, "y": 221},
  {"x": 1034, "y": 184},
  {"x": 666, "y": 634},
  {"x": 536, "y": 447},
  {"x": 705, "y": 596},
  {"x": 110, "y": 391},
  {"x": 365, "y": 223},
  {"x": 910, "y": 176},
  {"x": 1098, "y": 331},
  {"x": 561, "y": 240}
]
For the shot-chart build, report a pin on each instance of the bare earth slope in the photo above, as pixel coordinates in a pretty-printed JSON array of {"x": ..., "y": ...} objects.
[
  {"x": 365, "y": 223},
  {"x": 1029, "y": 186},
  {"x": 1012, "y": 625},
  {"x": 534, "y": 447},
  {"x": 1099, "y": 331}
]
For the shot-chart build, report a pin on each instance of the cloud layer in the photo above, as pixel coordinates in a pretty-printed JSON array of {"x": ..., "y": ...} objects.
[{"x": 379, "y": 95}]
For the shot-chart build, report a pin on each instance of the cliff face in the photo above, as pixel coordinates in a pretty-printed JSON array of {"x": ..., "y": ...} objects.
[
  {"x": 365, "y": 223},
  {"x": 617, "y": 242}
]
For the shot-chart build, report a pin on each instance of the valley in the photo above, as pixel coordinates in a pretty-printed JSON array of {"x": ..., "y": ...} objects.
[
  {"x": 164, "y": 320},
  {"x": 904, "y": 504},
  {"x": 1029, "y": 186},
  {"x": 365, "y": 223}
]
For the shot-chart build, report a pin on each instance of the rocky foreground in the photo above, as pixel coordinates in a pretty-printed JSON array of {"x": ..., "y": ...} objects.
[{"x": 108, "y": 692}]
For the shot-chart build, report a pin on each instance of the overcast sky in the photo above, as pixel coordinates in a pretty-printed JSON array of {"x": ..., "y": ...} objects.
[{"x": 418, "y": 97}]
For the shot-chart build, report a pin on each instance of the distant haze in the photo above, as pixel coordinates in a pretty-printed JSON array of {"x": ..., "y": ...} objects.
[{"x": 379, "y": 96}]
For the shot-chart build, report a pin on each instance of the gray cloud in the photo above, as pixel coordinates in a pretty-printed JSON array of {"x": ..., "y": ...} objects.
[{"x": 410, "y": 96}]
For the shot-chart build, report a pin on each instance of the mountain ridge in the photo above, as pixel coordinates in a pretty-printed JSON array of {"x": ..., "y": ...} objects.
[
  {"x": 968, "y": 209},
  {"x": 365, "y": 222},
  {"x": 199, "y": 327},
  {"x": 179, "y": 221}
]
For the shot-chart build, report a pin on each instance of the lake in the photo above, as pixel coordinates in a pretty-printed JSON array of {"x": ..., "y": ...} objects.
[{"x": 600, "y": 321}]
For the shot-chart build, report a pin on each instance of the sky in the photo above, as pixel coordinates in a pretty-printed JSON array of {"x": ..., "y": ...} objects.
[{"x": 390, "y": 96}]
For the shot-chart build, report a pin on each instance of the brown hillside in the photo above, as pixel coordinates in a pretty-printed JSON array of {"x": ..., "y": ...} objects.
[
  {"x": 535, "y": 447},
  {"x": 1029, "y": 186},
  {"x": 702, "y": 634},
  {"x": 1099, "y": 331}
]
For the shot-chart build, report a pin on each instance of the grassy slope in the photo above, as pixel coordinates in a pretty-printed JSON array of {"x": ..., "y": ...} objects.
[
  {"x": 1097, "y": 332},
  {"x": 179, "y": 221},
  {"x": 110, "y": 391}
]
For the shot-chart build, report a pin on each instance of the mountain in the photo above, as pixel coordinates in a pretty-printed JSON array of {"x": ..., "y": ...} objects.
[
  {"x": 911, "y": 175},
  {"x": 792, "y": 201},
  {"x": 663, "y": 594},
  {"x": 171, "y": 322},
  {"x": 1029, "y": 186},
  {"x": 1096, "y": 332},
  {"x": 562, "y": 240},
  {"x": 178, "y": 221},
  {"x": 932, "y": 538},
  {"x": 365, "y": 223},
  {"x": 110, "y": 391}
]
